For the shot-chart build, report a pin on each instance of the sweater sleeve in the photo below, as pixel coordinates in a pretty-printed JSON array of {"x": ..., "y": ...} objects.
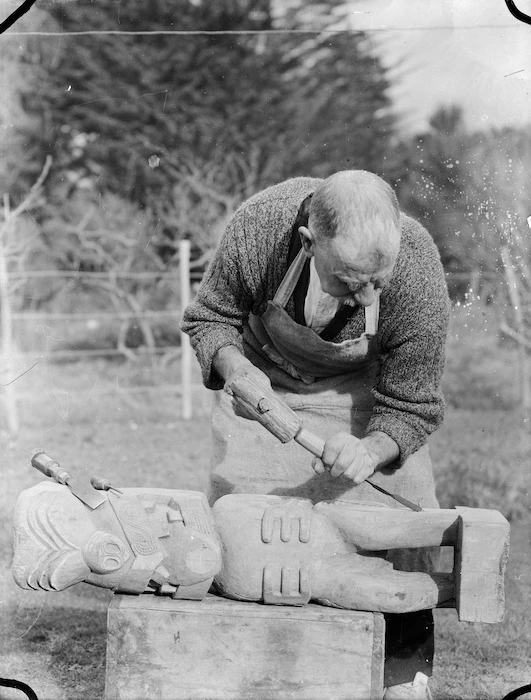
[
  {"x": 409, "y": 402},
  {"x": 245, "y": 271},
  {"x": 216, "y": 316}
]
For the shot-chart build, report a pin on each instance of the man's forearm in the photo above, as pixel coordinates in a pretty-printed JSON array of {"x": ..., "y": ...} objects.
[
  {"x": 227, "y": 360},
  {"x": 383, "y": 448}
]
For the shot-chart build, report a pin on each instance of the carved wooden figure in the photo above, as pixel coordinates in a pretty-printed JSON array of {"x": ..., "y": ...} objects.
[{"x": 259, "y": 548}]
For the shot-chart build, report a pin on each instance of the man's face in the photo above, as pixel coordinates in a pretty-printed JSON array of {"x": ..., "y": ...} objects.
[{"x": 342, "y": 271}]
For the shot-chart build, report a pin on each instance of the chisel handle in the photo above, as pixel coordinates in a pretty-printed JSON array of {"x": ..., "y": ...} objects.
[
  {"x": 102, "y": 484},
  {"x": 49, "y": 467},
  {"x": 311, "y": 442}
]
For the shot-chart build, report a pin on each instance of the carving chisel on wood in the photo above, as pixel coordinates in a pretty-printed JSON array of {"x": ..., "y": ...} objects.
[
  {"x": 275, "y": 415},
  {"x": 84, "y": 491}
]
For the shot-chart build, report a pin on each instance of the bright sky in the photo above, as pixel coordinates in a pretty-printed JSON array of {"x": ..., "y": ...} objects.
[{"x": 446, "y": 55}]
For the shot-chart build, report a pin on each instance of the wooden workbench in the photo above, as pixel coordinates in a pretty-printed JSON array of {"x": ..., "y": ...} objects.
[{"x": 165, "y": 649}]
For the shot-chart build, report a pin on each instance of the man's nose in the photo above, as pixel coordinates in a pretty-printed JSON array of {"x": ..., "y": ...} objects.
[{"x": 366, "y": 295}]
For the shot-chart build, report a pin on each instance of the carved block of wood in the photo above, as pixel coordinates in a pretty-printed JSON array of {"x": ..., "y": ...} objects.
[
  {"x": 481, "y": 554},
  {"x": 217, "y": 648}
]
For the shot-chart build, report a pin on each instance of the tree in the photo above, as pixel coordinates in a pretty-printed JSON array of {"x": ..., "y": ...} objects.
[
  {"x": 115, "y": 101},
  {"x": 15, "y": 247},
  {"x": 341, "y": 110},
  {"x": 17, "y": 175},
  {"x": 430, "y": 183},
  {"x": 186, "y": 126}
]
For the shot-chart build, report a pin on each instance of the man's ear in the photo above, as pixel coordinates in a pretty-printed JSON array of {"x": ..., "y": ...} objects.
[{"x": 306, "y": 240}]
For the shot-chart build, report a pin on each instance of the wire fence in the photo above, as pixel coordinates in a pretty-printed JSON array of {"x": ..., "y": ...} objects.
[
  {"x": 83, "y": 327},
  {"x": 468, "y": 282},
  {"x": 43, "y": 337}
]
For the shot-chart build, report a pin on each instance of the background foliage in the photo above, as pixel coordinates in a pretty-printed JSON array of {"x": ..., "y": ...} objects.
[
  {"x": 156, "y": 138},
  {"x": 181, "y": 128},
  {"x": 187, "y": 126}
]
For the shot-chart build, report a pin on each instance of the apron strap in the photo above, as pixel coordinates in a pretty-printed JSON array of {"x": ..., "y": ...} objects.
[
  {"x": 289, "y": 282},
  {"x": 372, "y": 314}
]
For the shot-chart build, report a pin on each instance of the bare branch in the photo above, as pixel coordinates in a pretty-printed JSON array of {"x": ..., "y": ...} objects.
[
  {"x": 30, "y": 199},
  {"x": 520, "y": 339}
]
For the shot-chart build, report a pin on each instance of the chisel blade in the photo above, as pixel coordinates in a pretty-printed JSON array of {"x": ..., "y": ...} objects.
[{"x": 86, "y": 493}]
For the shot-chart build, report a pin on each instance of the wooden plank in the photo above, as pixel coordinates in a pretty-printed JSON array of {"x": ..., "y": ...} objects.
[
  {"x": 223, "y": 649},
  {"x": 378, "y": 656},
  {"x": 481, "y": 554}
]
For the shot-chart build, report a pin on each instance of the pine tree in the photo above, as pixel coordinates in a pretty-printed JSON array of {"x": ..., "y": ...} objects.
[
  {"x": 172, "y": 122},
  {"x": 112, "y": 101}
]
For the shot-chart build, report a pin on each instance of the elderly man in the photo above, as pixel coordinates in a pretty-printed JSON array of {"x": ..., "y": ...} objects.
[{"x": 325, "y": 290}]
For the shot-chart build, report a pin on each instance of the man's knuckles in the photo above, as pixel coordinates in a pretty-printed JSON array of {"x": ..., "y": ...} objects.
[
  {"x": 335, "y": 446},
  {"x": 348, "y": 459}
]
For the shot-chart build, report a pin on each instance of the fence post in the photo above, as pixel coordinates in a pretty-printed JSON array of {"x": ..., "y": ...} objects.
[
  {"x": 9, "y": 401},
  {"x": 186, "y": 350},
  {"x": 516, "y": 303}
]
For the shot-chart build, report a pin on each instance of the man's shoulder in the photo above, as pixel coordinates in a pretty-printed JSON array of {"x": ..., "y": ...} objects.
[
  {"x": 413, "y": 231},
  {"x": 419, "y": 263},
  {"x": 416, "y": 242},
  {"x": 418, "y": 284},
  {"x": 289, "y": 192},
  {"x": 269, "y": 215}
]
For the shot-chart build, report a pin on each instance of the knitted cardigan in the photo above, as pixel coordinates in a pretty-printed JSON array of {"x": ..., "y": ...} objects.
[{"x": 249, "y": 265}]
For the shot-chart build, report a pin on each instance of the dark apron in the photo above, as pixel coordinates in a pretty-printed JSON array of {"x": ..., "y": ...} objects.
[{"x": 329, "y": 385}]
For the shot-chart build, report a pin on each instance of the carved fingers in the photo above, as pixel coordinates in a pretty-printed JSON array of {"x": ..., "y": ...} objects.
[{"x": 290, "y": 518}]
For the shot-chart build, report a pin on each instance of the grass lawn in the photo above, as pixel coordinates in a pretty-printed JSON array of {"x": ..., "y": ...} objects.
[{"x": 55, "y": 642}]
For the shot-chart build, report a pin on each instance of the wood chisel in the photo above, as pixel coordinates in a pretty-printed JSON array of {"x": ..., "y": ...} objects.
[{"x": 84, "y": 491}]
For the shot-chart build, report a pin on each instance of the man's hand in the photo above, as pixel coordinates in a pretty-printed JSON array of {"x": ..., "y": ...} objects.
[
  {"x": 256, "y": 375},
  {"x": 346, "y": 455},
  {"x": 228, "y": 362}
]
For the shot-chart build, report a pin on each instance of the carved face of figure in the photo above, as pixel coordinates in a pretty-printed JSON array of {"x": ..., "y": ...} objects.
[
  {"x": 56, "y": 542},
  {"x": 140, "y": 540}
]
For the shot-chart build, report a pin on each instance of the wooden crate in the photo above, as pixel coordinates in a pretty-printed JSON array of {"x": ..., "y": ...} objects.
[{"x": 165, "y": 649}]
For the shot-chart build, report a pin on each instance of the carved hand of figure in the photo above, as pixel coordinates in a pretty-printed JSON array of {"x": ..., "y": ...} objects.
[
  {"x": 293, "y": 513},
  {"x": 348, "y": 456}
]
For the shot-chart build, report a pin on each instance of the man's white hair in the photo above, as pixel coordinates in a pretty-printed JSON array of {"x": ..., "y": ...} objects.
[{"x": 360, "y": 206}]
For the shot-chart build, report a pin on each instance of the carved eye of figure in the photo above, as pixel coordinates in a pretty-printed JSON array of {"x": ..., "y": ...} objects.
[{"x": 105, "y": 553}]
